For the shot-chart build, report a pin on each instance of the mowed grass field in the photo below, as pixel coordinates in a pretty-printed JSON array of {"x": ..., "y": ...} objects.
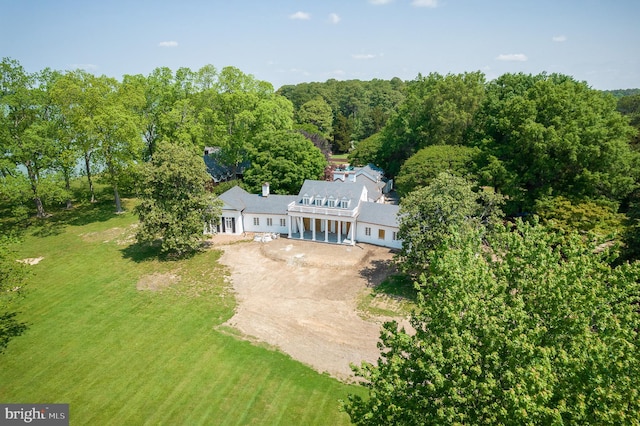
[{"x": 123, "y": 356}]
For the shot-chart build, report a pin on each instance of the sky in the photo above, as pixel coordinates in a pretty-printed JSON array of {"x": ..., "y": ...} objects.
[{"x": 294, "y": 41}]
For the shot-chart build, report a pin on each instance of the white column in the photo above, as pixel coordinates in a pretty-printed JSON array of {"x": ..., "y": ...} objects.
[
  {"x": 289, "y": 218},
  {"x": 352, "y": 233},
  {"x": 339, "y": 223},
  {"x": 313, "y": 229},
  {"x": 301, "y": 227},
  {"x": 326, "y": 230}
]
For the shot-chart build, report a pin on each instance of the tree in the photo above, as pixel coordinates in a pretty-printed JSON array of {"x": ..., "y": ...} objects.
[
  {"x": 27, "y": 120},
  {"x": 318, "y": 113},
  {"x": 422, "y": 167},
  {"x": 366, "y": 151},
  {"x": 599, "y": 220},
  {"x": 82, "y": 98},
  {"x": 343, "y": 133},
  {"x": 285, "y": 159},
  {"x": 117, "y": 128},
  {"x": 532, "y": 328},
  {"x": 556, "y": 136},
  {"x": 12, "y": 279},
  {"x": 174, "y": 204},
  {"x": 438, "y": 110},
  {"x": 427, "y": 214},
  {"x": 629, "y": 106}
]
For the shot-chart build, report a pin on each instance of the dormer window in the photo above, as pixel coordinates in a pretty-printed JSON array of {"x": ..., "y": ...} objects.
[
  {"x": 306, "y": 199},
  {"x": 331, "y": 202},
  {"x": 344, "y": 203},
  {"x": 318, "y": 200}
]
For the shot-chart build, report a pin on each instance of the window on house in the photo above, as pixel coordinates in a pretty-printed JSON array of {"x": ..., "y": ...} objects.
[
  {"x": 283, "y": 222},
  {"x": 318, "y": 201},
  {"x": 394, "y": 236},
  {"x": 344, "y": 203},
  {"x": 367, "y": 231},
  {"x": 269, "y": 221},
  {"x": 306, "y": 199},
  {"x": 331, "y": 202},
  {"x": 256, "y": 221},
  {"x": 381, "y": 234}
]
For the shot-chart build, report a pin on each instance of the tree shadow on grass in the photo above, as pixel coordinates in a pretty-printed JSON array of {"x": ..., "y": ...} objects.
[
  {"x": 139, "y": 253},
  {"x": 9, "y": 328},
  {"x": 384, "y": 278},
  {"x": 57, "y": 220}
]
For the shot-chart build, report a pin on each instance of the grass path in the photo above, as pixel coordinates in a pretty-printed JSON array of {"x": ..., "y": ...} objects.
[{"x": 122, "y": 356}]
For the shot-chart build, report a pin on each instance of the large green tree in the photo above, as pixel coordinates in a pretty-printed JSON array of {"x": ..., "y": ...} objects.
[
  {"x": 527, "y": 328},
  {"x": 284, "y": 159},
  {"x": 317, "y": 112},
  {"x": 438, "y": 110},
  {"x": 117, "y": 127},
  {"x": 174, "y": 203},
  {"x": 427, "y": 214},
  {"x": 556, "y": 136},
  {"x": 28, "y": 120},
  {"x": 429, "y": 162}
]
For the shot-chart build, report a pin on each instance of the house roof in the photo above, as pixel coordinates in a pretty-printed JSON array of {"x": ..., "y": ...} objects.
[
  {"x": 218, "y": 171},
  {"x": 234, "y": 199},
  {"x": 240, "y": 200},
  {"x": 272, "y": 204},
  {"x": 349, "y": 190},
  {"x": 380, "y": 214}
]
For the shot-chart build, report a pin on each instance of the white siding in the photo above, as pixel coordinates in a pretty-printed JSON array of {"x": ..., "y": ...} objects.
[
  {"x": 262, "y": 223},
  {"x": 374, "y": 238}
]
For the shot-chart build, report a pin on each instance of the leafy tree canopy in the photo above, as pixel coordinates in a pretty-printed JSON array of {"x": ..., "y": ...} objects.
[
  {"x": 426, "y": 216},
  {"x": 174, "y": 202},
  {"x": 557, "y": 136},
  {"x": 438, "y": 110},
  {"x": 422, "y": 167},
  {"x": 284, "y": 159},
  {"x": 529, "y": 328}
]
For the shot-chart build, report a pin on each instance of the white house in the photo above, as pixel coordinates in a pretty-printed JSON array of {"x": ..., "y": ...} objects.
[{"x": 339, "y": 212}]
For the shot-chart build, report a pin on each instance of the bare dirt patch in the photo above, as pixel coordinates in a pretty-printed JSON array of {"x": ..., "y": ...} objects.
[
  {"x": 301, "y": 297},
  {"x": 157, "y": 281},
  {"x": 122, "y": 236},
  {"x": 31, "y": 260}
]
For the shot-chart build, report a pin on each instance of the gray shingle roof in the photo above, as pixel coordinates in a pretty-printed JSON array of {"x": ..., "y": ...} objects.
[
  {"x": 233, "y": 199},
  {"x": 379, "y": 214},
  {"x": 238, "y": 199},
  {"x": 351, "y": 190}
]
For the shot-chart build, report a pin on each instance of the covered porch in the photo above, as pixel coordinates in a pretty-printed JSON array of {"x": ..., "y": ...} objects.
[{"x": 325, "y": 230}]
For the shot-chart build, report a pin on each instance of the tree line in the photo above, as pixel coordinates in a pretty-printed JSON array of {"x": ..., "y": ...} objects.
[{"x": 58, "y": 125}]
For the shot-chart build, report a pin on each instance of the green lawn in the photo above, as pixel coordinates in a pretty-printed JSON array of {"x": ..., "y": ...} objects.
[{"x": 122, "y": 356}]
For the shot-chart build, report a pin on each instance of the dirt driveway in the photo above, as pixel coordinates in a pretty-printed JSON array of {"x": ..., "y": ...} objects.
[{"x": 301, "y": 297}]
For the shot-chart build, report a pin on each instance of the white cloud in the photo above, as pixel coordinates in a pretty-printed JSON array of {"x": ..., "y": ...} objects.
[
  {"x": 380, "y": 1},
  {"x": 168, "y": 44},
  {"x": 559, "y": 38},
  {"x": 301, "y": 16},
  {"x": 512, "y": 57},
  {"x": 334, "y": 18},
  {"x": 425, "y": 3},
  {"x": 363, "y": 56}
]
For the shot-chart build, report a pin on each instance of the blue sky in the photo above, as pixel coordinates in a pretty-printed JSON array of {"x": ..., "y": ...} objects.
[{"x": 293, "y": 41}]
